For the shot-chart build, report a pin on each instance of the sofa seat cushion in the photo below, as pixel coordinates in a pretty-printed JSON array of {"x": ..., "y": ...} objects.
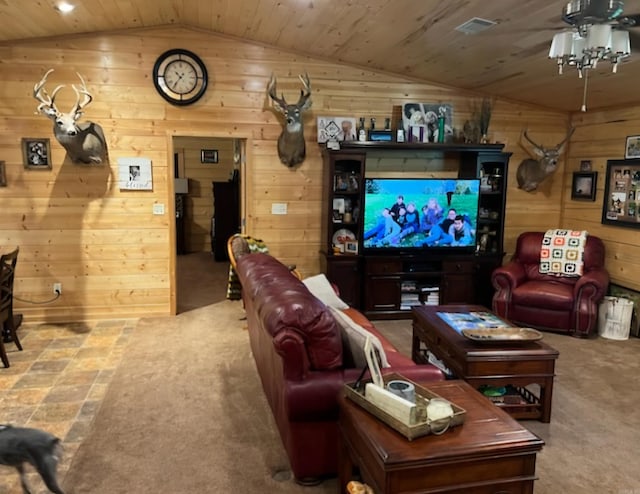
[
  {"x": 282, "y": 302},
  {"x": 547, "y": 294}
]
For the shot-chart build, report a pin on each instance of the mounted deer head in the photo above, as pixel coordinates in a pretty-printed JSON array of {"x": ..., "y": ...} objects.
[
  {"x": 291, "y": 146},
  {"x": 84, "y": 142},
  {"x": 533, "y": 171}
]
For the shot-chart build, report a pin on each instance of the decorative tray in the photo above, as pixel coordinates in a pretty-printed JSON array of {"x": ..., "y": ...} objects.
[
  {"x": 422, "y": 427},
  {"x": 502, "y": 335}
]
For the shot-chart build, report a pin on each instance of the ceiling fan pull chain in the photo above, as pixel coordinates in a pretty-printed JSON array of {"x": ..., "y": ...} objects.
[{"x": 584, "y": 94}]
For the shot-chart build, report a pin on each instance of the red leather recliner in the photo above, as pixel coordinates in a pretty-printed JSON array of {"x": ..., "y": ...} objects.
[{"x": 562, "y": 304}]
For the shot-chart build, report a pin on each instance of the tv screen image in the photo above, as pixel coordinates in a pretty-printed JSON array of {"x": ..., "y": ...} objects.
[{"x": 420, "y": 213}]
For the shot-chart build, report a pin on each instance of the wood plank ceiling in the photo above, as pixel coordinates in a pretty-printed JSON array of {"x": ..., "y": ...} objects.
[{"x": 411, "y": 37}]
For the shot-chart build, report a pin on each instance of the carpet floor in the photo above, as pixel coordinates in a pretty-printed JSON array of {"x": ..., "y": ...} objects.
[{"x": 185, "y": 412}]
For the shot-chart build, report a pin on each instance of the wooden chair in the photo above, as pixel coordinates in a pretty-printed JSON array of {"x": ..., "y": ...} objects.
[
  {"x": 239, "y": 245},
  {"x": 7, "y": 272}
]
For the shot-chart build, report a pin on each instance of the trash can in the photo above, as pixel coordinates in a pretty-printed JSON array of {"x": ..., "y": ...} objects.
[{"x": 614, "y": 318}]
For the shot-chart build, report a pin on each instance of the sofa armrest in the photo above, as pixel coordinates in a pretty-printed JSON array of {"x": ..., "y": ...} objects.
[
  {"x": 316, "y": 397},
  {"x": 291, "y": 348},
  {"x": 596, "y": 278},
  {"x": 508, "y": 276}
]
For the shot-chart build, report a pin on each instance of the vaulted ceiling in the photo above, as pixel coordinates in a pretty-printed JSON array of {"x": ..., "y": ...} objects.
[{"x": 416, "y": 38}]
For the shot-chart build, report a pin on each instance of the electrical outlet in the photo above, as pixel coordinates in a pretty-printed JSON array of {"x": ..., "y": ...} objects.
[{"x": 57, "y": 288}]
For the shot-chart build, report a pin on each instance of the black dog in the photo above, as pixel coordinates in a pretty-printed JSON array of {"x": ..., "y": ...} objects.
[{"x": 19, "y": 445}]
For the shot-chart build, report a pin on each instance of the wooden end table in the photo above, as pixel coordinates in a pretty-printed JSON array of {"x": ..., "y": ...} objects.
[
  {"x": 517, "y": 366},
  {"x": 490, "y": 452}
]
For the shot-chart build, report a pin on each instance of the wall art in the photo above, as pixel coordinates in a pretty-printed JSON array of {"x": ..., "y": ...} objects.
[
  {"x": 621, "y": 194},
  {"x": 36, "y": 153},
  {"x": 135, "y": 174},
  {"x": 584, "y": 185}
]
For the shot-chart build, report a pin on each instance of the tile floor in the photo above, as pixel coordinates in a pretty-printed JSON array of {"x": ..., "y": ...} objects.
[{"x": 57, "y": 384}]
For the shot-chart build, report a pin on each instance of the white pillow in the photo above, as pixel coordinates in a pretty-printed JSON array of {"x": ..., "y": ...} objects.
[
  {"x": 320, "y": 287},
  {"x": 356, "y": 336}
]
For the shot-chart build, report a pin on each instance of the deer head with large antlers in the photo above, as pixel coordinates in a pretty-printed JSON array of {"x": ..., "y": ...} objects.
[
  {"x": 84, "y": 142},
  {"x": 533, "y": 171},
  {"x": 291, "y": 146}
]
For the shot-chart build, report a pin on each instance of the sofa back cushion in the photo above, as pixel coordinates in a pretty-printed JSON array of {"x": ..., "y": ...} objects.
[{"x": 283, "y": 302}]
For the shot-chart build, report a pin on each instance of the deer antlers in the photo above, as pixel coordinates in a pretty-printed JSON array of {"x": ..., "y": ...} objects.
[
  {"x": 281, "y": 103},
  {"x": 47, "y": 103}
]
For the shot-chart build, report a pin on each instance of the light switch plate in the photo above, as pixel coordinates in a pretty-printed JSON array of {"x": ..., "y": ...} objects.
[{"x": 158, "y": 209}]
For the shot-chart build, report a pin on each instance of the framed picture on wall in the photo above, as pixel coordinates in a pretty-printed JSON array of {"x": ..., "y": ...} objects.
[
  {"x": 36, "y": 153},
  {"x": 621, "y": 193},
  {"x": 208, "y": 156},
  {"x": 632, "y": 147},
  {"x": 3, "y": 175},
  {"x": 584, "y": 186}
]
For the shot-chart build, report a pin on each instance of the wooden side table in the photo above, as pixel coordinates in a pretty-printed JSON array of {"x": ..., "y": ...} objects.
[{"x": 489, "y": 453}]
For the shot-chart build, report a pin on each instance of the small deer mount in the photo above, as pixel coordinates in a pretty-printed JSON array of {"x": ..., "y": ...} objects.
[
  {"x": 84, "y": 142},
  {"x": 531, "y": 172},
  {"x": 291, "y": 145}
]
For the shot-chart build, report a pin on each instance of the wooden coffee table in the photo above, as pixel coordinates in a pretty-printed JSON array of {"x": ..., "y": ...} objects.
[
  {"x": 489, "y": 452},
  {"x": 526, "y": 369}
]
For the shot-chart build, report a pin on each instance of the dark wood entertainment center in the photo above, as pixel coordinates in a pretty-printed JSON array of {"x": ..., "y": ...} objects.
[{"x": 379, "y": 284}]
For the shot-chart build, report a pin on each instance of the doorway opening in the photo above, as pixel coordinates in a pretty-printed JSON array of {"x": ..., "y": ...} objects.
[{"x": 209, "y": 206}]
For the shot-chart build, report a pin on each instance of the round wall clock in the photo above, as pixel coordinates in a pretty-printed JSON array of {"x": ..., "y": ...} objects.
[{"x": 180, "y": 76}]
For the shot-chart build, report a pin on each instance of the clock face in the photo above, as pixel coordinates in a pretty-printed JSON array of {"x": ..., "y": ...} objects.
[{"x": 180, "y": 77}]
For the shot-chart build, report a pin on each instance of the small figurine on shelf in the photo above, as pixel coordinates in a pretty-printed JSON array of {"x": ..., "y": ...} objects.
[
  {"x": 353, "y": 182},
  {"x": 362, "y": 133}
]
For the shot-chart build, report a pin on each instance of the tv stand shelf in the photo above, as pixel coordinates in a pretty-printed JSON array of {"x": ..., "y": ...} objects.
[{"x": 378, "y": 282}]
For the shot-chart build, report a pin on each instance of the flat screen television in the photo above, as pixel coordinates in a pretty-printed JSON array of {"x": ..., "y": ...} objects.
[{"x": 420, "y": 213}]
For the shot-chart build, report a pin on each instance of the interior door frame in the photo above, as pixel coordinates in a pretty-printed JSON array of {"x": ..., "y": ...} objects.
[{"x": 170, "y": 198}]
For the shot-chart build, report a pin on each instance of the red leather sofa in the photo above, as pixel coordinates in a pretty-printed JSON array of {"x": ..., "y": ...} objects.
[
  {"x": 562, "y": 304},
  {"x": 299, "y": 354}
]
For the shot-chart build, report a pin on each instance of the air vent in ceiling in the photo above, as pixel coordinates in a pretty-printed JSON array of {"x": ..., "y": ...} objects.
[{"x": 475, "y": 25}]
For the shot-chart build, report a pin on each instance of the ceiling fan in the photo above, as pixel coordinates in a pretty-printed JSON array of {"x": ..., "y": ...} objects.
[
  {"x": 601, "y": 33},
  {"x": 583, "y": 13}
]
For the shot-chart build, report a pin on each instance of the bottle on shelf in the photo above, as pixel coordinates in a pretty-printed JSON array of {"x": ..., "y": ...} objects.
[{"x": 400, "y": 137}]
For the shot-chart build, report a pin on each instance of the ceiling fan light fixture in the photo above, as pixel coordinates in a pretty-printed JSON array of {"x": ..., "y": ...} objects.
[{"x": 620, "y": 44}]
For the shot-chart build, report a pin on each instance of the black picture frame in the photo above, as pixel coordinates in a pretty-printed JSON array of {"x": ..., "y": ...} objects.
[
  {"x": 583, "y": 186},
  {"x": 36, "y": 153},
  {"x": 621, "y": 203},
  {"x": 3, "y": 174},
  {"x": 208, "y": 156}
]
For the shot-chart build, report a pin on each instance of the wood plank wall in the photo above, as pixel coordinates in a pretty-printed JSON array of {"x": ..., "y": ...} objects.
[
  {"x": 112, "y": 255},
  {"x": 601, "y": 136}
]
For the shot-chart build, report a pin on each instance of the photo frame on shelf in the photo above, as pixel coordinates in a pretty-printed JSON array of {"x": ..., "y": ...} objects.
[
  {"x": 632, "y": 147},
  {"x": 36, "y": 153},
  {"x": 340, "y": 182},
  {"x": 336, "y": 129},
  {"x": 584, "y": 185},
  {"x": 622, "y": 194},
  {"x": 350, "y": 247}
]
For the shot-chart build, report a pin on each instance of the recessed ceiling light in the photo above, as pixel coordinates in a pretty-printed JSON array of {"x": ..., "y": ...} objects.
[{"x": 64, "y": 7}]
